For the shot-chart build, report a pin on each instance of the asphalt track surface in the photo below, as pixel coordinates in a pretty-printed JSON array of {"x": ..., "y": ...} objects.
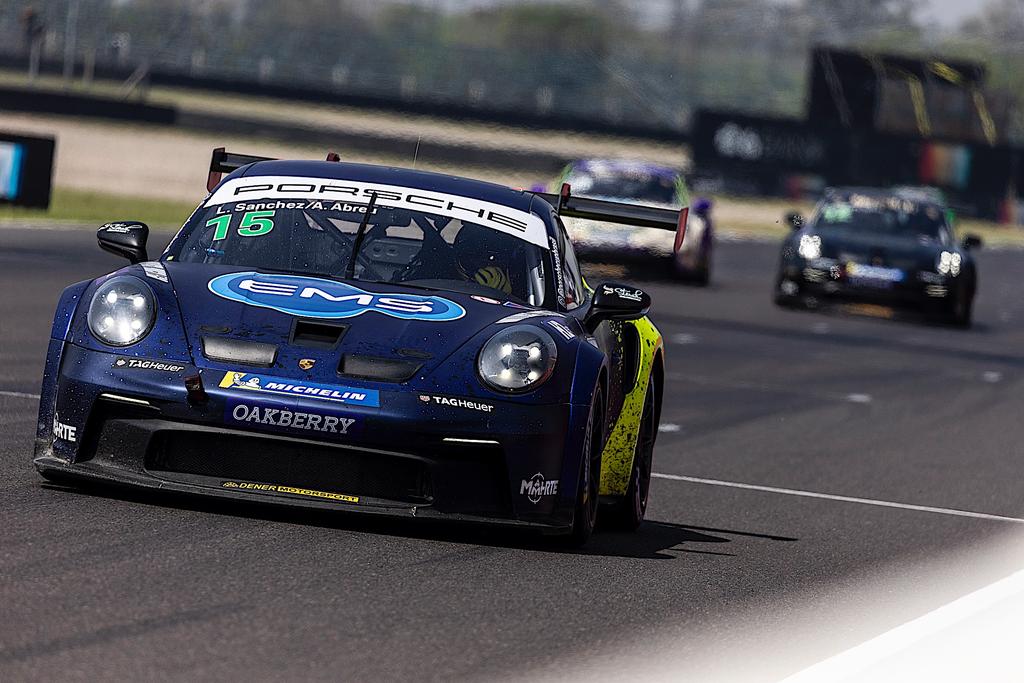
[{"x": 97, "y": 584}]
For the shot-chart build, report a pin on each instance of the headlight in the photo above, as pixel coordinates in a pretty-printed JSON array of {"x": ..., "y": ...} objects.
[
  {"x": 810, "y": 247},
  {"x": 518, "y": 359},
  {"x": 122, "y": 311},
  {"x": 948, "y": 263}
]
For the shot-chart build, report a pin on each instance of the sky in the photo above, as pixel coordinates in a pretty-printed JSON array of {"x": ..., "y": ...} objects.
[
  {"x": 951, "y": 12},
  {"x": 948, "y": 13}
]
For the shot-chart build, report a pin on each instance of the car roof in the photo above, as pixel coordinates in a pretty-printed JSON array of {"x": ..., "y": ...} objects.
[
  {"x": 391, "y": 175},
  {"x": 844, "y": 194},
  {"x": 597, "y": 165}
]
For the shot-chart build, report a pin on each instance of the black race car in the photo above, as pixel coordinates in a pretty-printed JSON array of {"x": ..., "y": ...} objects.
[{"x": 879, "y": 246}]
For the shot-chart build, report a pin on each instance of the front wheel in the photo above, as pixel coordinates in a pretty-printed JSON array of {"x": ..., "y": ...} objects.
[
  {"x": 627, "y": 514},
  {"x": 589, "y": 483},
  {"x": 962, "y": 309}
]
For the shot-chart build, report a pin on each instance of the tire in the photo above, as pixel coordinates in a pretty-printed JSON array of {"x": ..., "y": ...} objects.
[
  {"x": 628, "y": 514},
  {"x": 702, "y": 278},
  {"x": 588, "y": 488},
  {"x": 961, "y": 310},
  {"x": 782, "y": 299}
]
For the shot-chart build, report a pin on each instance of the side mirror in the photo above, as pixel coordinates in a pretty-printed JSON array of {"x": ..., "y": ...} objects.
[
  {"x": 972, "y": 242},
  {"x": 613, "y": 301},
  {"x": 702, "y": 207},
  {"x": 126, "y": 239},
  {"x": 795, "y": 220}
]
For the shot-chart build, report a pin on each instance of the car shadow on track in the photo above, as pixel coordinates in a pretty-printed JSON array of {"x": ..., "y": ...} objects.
[
  {"x": 665, "y": 541},
  {"x": 654, "y": 540}
]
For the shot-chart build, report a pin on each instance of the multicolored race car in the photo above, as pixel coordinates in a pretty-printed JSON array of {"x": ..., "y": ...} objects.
[
  {"x": 367, "y": 339},
  {"x": 650, "y": 185}
]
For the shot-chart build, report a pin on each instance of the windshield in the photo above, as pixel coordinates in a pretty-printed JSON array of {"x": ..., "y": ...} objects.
[
  {"x": 400, "y": 245},
  {"x": 637, "y": 184},
  {"x": 886, "y": 216}
]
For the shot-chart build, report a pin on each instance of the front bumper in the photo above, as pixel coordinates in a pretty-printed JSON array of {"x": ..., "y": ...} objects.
[
  {"x": 823, "y": 281},
  {"x": 408, "y": 458}
]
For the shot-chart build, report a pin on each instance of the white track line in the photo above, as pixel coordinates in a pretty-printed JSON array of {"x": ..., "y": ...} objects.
[
  {"x": 887, "y": 647},
  {"x": 842, "y": 499},
  {"x": 18, "y": 394}
]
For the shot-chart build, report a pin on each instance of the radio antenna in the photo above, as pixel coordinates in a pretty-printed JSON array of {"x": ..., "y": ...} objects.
[{"x": 416, "y": 154}]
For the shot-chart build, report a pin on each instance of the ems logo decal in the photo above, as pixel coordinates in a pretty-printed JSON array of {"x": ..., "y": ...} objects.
[{"x": 314, "y": 297}]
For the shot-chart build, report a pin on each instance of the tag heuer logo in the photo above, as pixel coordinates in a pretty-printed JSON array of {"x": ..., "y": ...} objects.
[
  {"x": 425, "y": 399},
  {"x": 120, "y": 362},
  {"x": 307, "y": 363}
]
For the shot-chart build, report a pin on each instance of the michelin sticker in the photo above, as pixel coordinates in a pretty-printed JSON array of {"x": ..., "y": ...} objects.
[
  {"x": 312, "y": 297},
  {"x": 265, "y": 384}
]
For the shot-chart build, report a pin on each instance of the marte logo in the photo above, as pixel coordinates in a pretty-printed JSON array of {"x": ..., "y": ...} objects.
[
  {"x": 319, "y": 298},
  {"x": 536, "y": 487},
  {"x": 63, "y": 432}
]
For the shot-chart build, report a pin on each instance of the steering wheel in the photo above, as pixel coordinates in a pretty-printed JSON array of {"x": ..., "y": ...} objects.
[
  {"x": 435, "y": 247},
  {"x": 369, "y": 272}
]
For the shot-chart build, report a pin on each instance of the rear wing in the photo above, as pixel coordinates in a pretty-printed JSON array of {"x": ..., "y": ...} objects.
[
  {"x": 636, "y": 215},
  {"x": 227, "y": 162}
]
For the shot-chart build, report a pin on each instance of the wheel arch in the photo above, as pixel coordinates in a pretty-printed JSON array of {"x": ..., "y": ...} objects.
[{"x": 624, "y": 428}]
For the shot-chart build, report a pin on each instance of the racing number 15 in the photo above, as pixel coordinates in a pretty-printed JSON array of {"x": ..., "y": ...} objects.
[{"x": 254, "y": 224}]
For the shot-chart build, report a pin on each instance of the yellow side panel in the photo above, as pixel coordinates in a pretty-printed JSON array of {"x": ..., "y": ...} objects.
[{"x": 617, "y": 460}]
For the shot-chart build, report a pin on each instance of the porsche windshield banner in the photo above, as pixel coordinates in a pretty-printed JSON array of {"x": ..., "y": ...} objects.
[{"x": 498, "y": 217}]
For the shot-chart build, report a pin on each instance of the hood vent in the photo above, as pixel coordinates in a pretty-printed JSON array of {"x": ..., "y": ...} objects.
[
  {"x": 317, "y": 335},
  {"x": 240, "y": 351},
  {"x": 379, "y": 369}
]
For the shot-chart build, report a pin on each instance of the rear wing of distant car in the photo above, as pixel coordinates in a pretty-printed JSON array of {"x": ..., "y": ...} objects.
[
  {"x": 227, "y": 162},
  {"x": 636, "y": 215}
]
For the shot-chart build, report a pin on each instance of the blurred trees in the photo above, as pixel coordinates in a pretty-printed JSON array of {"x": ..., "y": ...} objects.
[{"x": 649, "y": 61}]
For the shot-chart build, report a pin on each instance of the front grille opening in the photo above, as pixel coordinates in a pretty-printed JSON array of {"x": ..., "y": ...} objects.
[
  {"x": 228, "y": 350},
  {"x": 380, "y": 369},
  {"x": 269, "y": 461},
  {"x": 317, "y": 335}
]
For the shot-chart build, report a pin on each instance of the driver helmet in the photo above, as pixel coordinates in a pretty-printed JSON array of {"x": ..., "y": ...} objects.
[{"x": 484, "y": 256}]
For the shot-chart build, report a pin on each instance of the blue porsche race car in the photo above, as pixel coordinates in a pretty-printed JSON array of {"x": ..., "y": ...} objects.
[{"x": 368, "y": 339}]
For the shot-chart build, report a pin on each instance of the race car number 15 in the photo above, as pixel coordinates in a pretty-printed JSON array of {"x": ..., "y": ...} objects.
[{"x": 254, "y": 224}]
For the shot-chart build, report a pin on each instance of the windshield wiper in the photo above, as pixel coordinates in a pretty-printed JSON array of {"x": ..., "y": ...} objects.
[{"x": 350, "y": 271}]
